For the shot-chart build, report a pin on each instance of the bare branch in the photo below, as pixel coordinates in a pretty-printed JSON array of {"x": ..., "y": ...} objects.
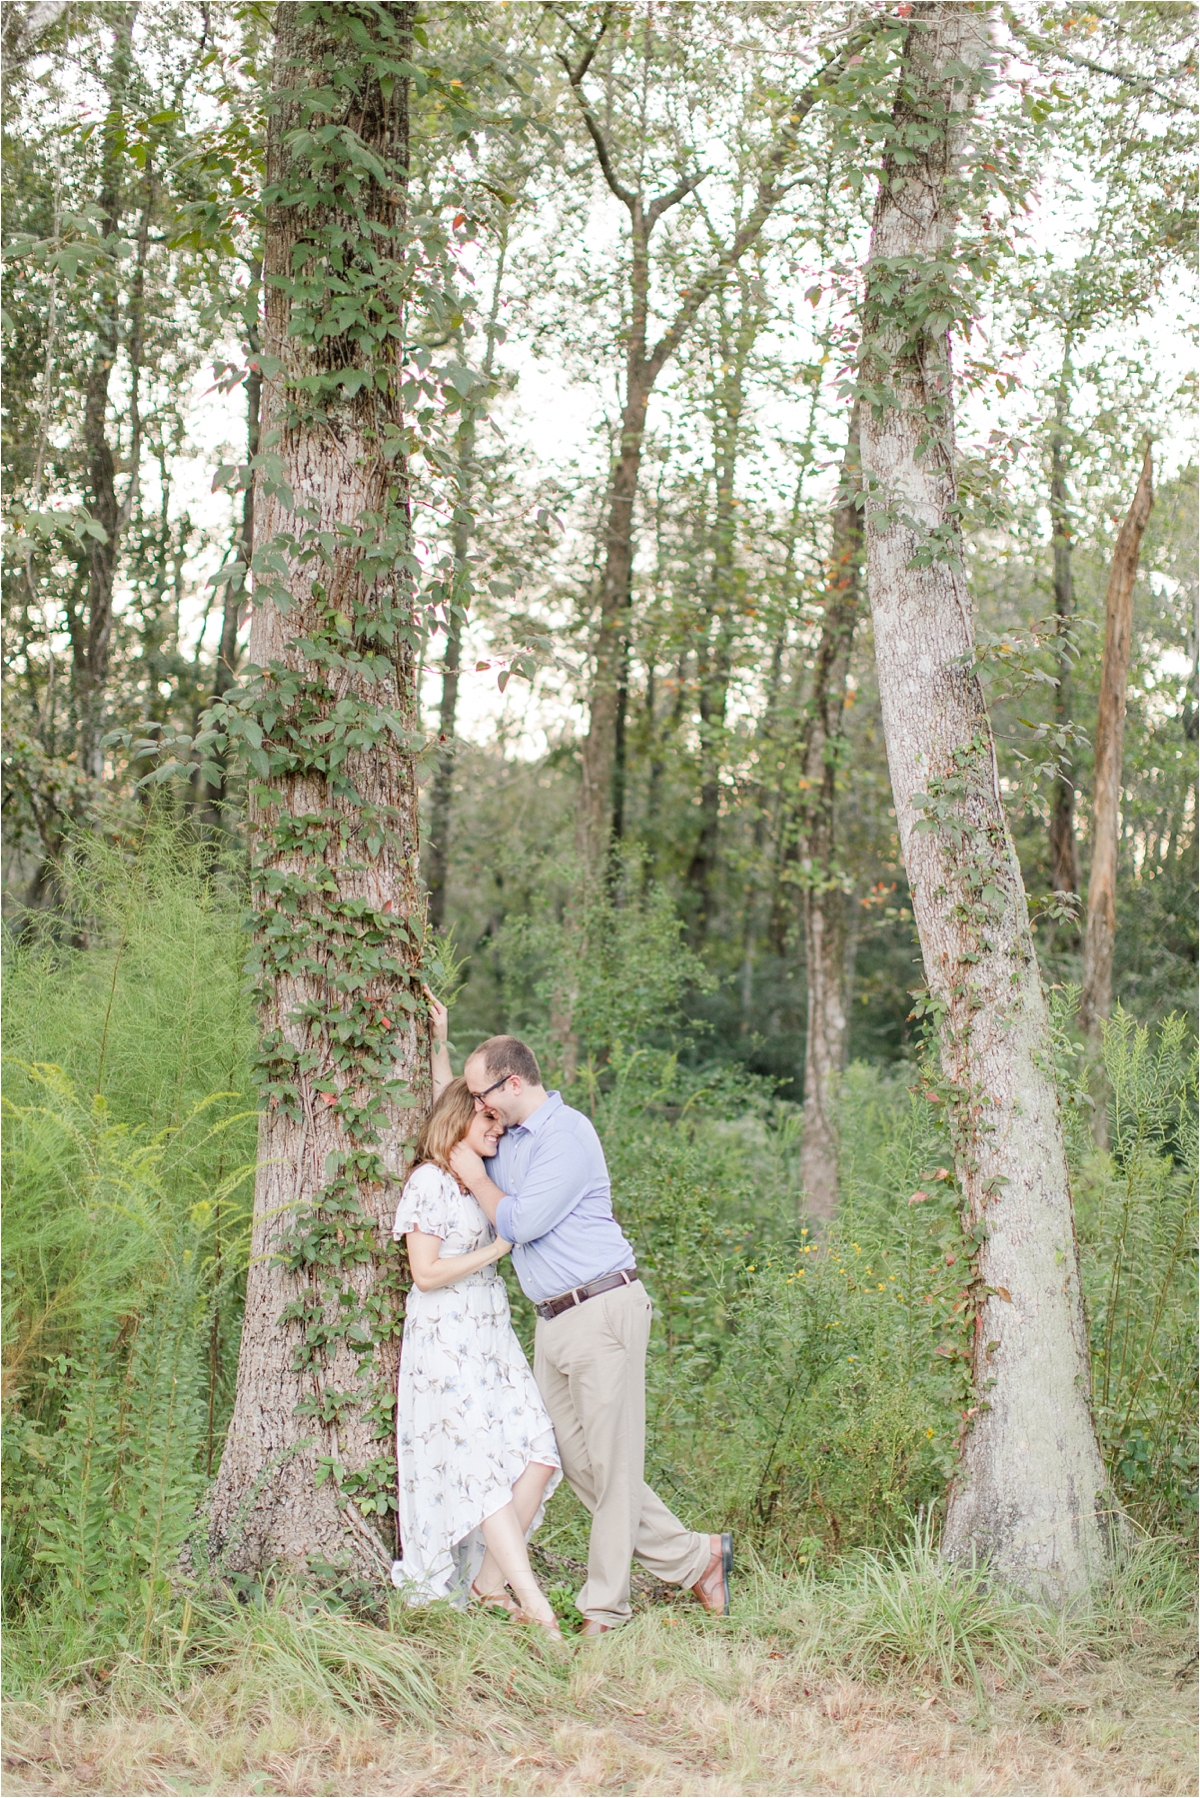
[
  {"x": 771, "y": 189},
  {"x": 575, "y": 77},
  {"x": 665, "y": 202}
]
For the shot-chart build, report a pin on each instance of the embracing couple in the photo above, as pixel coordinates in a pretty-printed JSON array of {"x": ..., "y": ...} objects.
[{"x": 501, "y": 1164}]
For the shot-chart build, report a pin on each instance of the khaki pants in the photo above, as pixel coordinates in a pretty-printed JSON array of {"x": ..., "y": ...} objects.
[{"x": 590, "y": 1363}]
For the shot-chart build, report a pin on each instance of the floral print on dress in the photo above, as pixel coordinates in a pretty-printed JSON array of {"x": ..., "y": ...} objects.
[{"x": 469, "y": 1416}]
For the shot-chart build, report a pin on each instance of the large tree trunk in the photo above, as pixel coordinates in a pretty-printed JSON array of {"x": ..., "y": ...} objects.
[
  {"x": 824, "y": 899},
  {"x": 1030, "y": 1494},
  {"x": 333, "y": 819},
  {"x": 1095, "y": 1001}
]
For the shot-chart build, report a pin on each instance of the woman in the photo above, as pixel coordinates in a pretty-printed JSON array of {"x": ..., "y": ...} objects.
[{"x": 476, "y": 1447}]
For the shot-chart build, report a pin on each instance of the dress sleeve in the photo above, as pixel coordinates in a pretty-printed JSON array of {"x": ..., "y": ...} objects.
[{"x": 423, "y": 1203}]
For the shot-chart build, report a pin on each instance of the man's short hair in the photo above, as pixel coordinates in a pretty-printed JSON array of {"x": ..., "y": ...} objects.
[{"x": 505, "y": 1055}]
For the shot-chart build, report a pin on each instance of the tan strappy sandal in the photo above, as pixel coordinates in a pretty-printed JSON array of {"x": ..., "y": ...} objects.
[{"x": 502, "y": 1599}]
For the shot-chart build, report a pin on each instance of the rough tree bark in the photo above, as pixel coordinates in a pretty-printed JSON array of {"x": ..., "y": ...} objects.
[
  {"x": 1095, "y": 1001},
  {"x": 1030, "y": 1493},
  {"x": 643, "y": 365},
  {"x": 335, "y": 869},
  {"x": 824, "y": 900}
]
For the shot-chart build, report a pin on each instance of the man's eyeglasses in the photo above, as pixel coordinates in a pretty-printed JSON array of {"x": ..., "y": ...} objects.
[{"x": 481, "y": 1098}]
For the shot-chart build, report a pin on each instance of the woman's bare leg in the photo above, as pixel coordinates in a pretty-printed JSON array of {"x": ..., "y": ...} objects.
[
  {"x": 528, "y": 1492},
  {"x": 505, "y": 1538}
]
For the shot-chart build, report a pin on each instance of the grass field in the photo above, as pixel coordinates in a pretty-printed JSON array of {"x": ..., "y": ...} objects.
[{"x": 897, "y": 1677}]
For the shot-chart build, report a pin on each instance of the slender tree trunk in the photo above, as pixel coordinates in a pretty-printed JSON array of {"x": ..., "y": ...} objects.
[
  {"x": 334, "y": 864},
  {"x": 1030, "y": 1494},
  {"x": 92, "y": 643},
  {"x": 715, "y": 651},
  {"x": 225, "y": 672},
  {"x": 760, "y": 799},
  {"x": 442, "y": 797},
  {"x": 236, "y": 590},
  {"x": 1095, "y": 1001},
  {"x": 441, "y": 803},
  {"x": 825, "y": 940},
  {"x": 598, "y": 762},
  {"x": 1064, "y": 851}
]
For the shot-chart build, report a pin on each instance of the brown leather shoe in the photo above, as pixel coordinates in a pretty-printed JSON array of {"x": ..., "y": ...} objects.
[
  {"x": 712, "y": 1589},
  {"x": 593, "y": 1627}
]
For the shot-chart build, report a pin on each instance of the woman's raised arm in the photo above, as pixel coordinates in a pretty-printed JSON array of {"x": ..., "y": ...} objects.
[{"x": 439, "y": 1017}]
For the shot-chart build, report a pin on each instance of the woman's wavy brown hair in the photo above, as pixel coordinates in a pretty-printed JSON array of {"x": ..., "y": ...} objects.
[{"x": 446, "y": 1125}]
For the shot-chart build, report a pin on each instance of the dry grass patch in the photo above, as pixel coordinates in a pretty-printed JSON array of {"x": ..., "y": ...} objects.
[{"x": 669, "y": 1706}]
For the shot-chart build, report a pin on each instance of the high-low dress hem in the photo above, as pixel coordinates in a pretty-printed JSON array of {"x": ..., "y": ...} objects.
[{"x": 469, "y": 1416}]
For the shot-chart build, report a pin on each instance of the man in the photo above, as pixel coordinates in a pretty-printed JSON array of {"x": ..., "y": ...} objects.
[{"x": 547, "y": 1192}]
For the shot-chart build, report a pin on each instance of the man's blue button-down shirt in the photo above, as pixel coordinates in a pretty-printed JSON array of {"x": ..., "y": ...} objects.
[{"x": 557, "y": 1205}]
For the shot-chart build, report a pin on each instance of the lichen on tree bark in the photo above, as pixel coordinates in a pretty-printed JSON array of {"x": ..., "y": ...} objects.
[{"x": 1030, "y": 1493}]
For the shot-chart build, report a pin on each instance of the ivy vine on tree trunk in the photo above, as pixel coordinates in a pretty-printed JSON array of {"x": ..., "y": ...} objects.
[{"x": 325, "y": 721}]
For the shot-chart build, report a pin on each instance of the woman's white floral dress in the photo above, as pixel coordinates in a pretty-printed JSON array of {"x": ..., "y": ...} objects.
[{"x": 469, "y": 1417}]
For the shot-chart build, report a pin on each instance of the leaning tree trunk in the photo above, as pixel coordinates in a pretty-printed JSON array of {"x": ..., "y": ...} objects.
[
  {"x": 825, "y": 941},
  {"x": 1030, "y": 1494},
  {"x": 1095, "y": 1001},
  {"x": 327, "y": 716}
]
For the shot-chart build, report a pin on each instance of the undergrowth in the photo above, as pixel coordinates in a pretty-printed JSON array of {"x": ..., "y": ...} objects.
[{"x": 806, "y": 1390}]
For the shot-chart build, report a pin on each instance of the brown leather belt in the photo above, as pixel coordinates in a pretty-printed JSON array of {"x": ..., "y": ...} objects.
[{"x": 566, "y": 1300}]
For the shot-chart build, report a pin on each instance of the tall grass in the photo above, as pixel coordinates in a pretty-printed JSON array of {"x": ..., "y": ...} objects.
[{"x": 128, "y": 1149}]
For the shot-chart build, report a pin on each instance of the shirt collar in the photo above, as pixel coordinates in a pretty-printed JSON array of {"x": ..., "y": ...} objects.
[{"x": 538, "y": 1119}]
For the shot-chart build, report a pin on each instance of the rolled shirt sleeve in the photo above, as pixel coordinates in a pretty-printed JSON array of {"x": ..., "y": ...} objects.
[
  {"x": 557, "y": 1203},
  {"x": 557, "y": 1179}
]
